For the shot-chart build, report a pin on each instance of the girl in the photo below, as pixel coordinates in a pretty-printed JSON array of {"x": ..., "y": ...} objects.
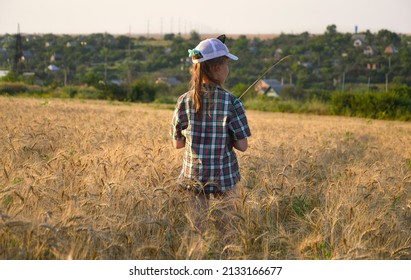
[{"x": 209, "y": 122}]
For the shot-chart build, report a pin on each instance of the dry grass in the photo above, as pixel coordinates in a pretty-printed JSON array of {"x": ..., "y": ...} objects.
[{"x": 97, "y": 180}]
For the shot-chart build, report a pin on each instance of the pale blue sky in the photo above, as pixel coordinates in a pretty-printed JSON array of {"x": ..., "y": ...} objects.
[{"x": 205, "y": 16}]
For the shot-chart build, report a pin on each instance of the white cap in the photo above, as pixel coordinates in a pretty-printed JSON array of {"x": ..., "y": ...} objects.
[{"x": 209, "y": 49}]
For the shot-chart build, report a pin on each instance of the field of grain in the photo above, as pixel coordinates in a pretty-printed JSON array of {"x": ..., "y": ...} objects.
[{"x": 97, "y": 180}]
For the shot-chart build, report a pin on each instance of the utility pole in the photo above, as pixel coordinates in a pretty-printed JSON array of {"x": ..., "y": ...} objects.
[
  {"x": 129, "y": 41},
  {"x": 386, "y": 75},
  {"x": 148, "y": 28},
  {"x": 369, "y": 67},
  {"x": 128, "y": 77},
  {"x": 65, "y": 76},
  {"x": 386, "y": 82},
  {"x": 343, "y": 82},
  {"x": 18, "y": 54},
  {"x": 105, "y": 57}
]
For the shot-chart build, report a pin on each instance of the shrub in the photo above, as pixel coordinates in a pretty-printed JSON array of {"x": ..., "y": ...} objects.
[
  {"x": 269, "y": 104},
  {"x": 142, "y": 90},
  {"x": 87, "y": 92},
  {"x": 12, "y": 88},
  {"x": 394, "y": 104},
  {"x": 165, "y": 100}
]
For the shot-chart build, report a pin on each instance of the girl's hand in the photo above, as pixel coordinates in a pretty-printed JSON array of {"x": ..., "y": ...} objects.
[
  {"x": 179, "y": 143},
  {"x": 241, "y": 144}
]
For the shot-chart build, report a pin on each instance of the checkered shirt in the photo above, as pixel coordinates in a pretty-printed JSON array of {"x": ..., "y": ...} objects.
[{"x": 209, "y": 158}]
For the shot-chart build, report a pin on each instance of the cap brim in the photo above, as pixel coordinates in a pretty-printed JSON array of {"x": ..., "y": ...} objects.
[
  {"x": 229, "y": 55},
  {"x": 233, "y": 57}
]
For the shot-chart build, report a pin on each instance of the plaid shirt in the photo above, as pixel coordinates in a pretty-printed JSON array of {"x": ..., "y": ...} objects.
[{"x": 209, "y": 157}]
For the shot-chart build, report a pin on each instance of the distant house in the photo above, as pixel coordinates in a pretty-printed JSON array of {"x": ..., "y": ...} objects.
[
  {"x": 168, "y": 50},
  {"x": 269, "y": 87},
  {"x": 55, "y": 57},
  {"x": 71, "y": 44},
  {"x": 171, "y": 81},
  {"x": 359, "y": 40},
  {"x": 53, "y": 68},
  {"x": 116, "y": 82},
  {"x": 278, "y": 53},
  {"x": 307, "y": 65},
  {"x": 29, "y": 74},
  {"x": 83, "y": 43},
  {"x": 358, "y": 43},
  {"x": 253, "y": 49},
  {"x": 371, "y": 66},
  {"x": 369, "y": 51},
  {"x": 27, "y": 55},
  {"x": 3, "y": 73},
  {"x": 390, "y": 50}
]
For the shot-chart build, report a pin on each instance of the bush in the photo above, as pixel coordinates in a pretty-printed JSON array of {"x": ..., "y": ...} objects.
[
  {"x": 142, "y": 90},
  {"x": 12, "y": 88},
  {"x": 269, "y": 104},
  {"x": 87, "y": 92},
  {"x": 113, "y": 92},
  {"x": 166, "y": 100},
  {"x": 394, "y": 104},
  {"x": 19, "y": 88}
]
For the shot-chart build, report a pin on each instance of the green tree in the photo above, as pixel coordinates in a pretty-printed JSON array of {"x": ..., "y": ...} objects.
[
  {"x": 142, "y": 90},
  {"x": 331, "y": 30},
  {"x": 124, "y": 42},
  {"x": 194, "y": 36}
]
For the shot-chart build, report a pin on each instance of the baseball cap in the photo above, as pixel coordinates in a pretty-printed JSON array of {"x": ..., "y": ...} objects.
[{"x": 209, "y": 49}]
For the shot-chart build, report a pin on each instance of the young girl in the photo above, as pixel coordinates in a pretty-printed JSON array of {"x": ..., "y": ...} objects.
[{"x": 209, "y": 122}]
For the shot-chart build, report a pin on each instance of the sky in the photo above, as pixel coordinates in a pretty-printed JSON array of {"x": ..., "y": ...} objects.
[{"x": 203, "y": 16}]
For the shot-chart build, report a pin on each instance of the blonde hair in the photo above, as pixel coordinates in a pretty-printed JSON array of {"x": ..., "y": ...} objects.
[{"x": 199, "y": 71}]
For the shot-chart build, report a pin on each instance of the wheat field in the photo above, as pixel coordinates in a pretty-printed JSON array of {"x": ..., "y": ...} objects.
[{"x": 98, "y": 180}]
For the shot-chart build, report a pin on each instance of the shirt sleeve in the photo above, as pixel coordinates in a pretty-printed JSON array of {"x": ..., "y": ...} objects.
[
  {"x": 179, "y": 121},
  {"x": 238, "y": 125}
]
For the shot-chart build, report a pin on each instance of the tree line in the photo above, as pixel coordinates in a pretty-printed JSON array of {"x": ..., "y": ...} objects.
[{"x": 127, "y": 67}]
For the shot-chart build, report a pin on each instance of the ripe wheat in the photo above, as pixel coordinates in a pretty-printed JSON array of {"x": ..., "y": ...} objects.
[{"x": 97, "y": 180}]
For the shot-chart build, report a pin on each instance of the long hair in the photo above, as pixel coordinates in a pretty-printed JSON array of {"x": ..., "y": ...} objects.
[{"x": 199, "y": 71}]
